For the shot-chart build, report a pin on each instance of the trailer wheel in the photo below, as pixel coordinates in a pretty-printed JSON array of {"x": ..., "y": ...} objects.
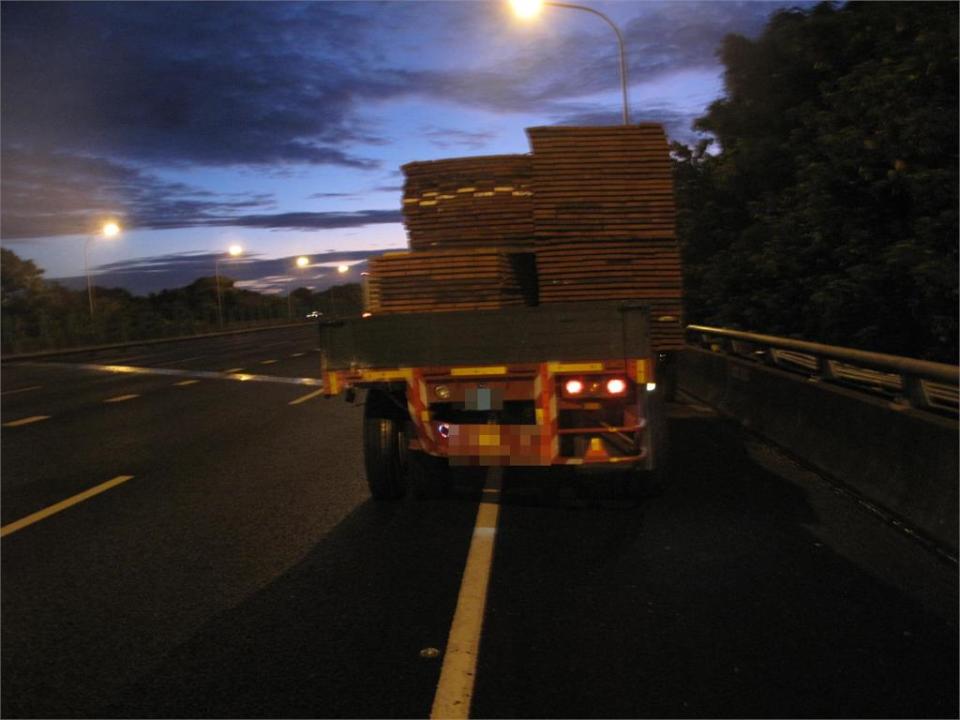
[
  {"x": 384, "y": 447},
  {"x": 429, "y": 476}
]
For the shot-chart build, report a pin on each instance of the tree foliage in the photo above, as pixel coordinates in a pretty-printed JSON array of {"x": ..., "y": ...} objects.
[
  {"x": 829, "y": 210},
  {"x": 38, "y": 314}
]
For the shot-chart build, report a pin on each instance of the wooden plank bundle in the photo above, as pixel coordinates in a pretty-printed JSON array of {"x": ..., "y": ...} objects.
[
  {"x": 594, "y": 203},
  {"x": 468, "y": 202},
  {"x": 604, "y": 220},
  {"x": 602, "y": 183},
  {"x": 446, "y": 280}
]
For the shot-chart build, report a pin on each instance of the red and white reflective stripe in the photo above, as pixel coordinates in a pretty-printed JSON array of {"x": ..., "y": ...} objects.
[
  {"x": 545, "y": 391},
  {"x": 419, "y": 411}
]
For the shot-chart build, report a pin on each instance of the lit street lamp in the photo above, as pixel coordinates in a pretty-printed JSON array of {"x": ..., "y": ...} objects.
[
  {"x": 528, "y": 9},
  {"x": 302, "y": 262},
  {"x": 233, "y": 251},
  {"x": 109, "y": 230}
]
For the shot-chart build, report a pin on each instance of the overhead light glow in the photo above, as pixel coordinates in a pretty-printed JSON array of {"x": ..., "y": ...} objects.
[
  {"x": 235, "y": 250},
  {"x": 111, "y": 229},
  {"x": 526, "y": 9},
  {"x": 343, "y": 268},
  {"x": 303, "y": 261}
]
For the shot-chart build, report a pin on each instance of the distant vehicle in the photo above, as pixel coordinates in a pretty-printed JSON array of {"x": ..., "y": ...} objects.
[{"x": 314, "y": 314}]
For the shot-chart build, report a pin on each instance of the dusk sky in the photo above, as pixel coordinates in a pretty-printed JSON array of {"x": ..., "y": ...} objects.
[{"x": 282, "y": 126}]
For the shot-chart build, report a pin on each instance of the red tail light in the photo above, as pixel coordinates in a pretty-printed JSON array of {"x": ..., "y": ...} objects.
[
  {"x": 616, "y": 386},
  {"x": 573, "y": 387}
]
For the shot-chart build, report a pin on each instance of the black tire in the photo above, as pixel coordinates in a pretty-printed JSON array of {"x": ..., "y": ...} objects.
[
  {"x": 429, "y": 476},
  {"x": 384, "y": 447}
]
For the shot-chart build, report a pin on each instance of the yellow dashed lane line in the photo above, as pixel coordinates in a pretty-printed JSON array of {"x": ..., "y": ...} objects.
[
  {"x": 20, "y": 390},
  {"x": 62, "y": 505},
  {"x": 455, "y": 687},
  {"x": 121, "y": 398},
  {"x": 26, "y": 421},
  {"x": 306, "y": 397}
]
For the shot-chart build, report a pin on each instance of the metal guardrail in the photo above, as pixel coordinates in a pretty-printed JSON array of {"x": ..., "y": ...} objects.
[
  {"x": 40, "y": 354},
  {"x": 917, "y": 383}
]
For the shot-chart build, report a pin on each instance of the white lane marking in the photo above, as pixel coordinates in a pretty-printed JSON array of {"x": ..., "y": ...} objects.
[
  {"x": 122, "y": 398},
  {"x": 189, "y": 359},
  {"x": 458, "y": 674},
  {"x": 300, "y": 354},
  {"x": 267, "y": 362},
  {"x": 304, "y": 398},
  {"x": 202, "y": 374},
  {"x": 26, "y": 421},
  {"x": 184, "y": 383},
  {"x": 20, "y": 390},
  {"x": 233, "y": 370},
  {"x": 62, "y": 505}
]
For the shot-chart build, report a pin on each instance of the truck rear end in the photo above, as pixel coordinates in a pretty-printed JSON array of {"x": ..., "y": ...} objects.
[{"x": 553, "y": 386}]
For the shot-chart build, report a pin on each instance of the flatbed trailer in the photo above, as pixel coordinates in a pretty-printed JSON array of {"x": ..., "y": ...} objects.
[{"x": 552, "y": 386}]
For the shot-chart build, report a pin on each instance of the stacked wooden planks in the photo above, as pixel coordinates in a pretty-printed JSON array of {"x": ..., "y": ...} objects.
[
  {"x": 468, "y": 202},
  {"x": 604, "y": 220},
  {"x": 446, "y": 280},
  {"x": 594, "y": 203}
]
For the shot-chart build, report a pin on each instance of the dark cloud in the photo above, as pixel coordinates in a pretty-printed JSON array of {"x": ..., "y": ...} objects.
[
  {"x": 98, "y": 97},
  {"x": 84, "y": 191},
  {"x": 329, "y": 195},
  {"x": 272, "y": 83},
  {"x": 313, "y": 220},
  {"x": 50, "y": 193},
  {"x": 194, "y": 83},
  {"x": 676, "y": 123},
  {"x": 452, "y": 137},
  {"x": 147, "y": 275}
]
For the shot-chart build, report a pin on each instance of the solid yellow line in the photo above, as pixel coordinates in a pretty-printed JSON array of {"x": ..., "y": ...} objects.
[
  {"x": 233, "y": 370},
  {"x": 186, "y": 382},
  {"x": 26, "y": 420},
  {"x": 455, "y": 687},
  {"x": 121, "y": 398},
  {"x": 306, "y": 397},
  {"x": 267, "y": 362},
  {"x": 62, "y": 505},
  {"x": 20, "y": 390}
]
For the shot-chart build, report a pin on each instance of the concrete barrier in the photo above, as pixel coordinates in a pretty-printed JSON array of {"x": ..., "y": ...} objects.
[{"x": 901, "y": 459}]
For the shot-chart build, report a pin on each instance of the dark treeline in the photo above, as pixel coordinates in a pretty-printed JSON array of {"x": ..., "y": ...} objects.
[
  {"x": 827, "y": 209},
  {"x": 39, "y": 314}
]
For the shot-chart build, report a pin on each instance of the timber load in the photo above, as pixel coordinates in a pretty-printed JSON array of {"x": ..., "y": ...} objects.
[
  {"x": 588, "y": 215},
  {"x": 605, "y": 220},
  {"x": 448, "y": 280},
  {"x": 468, "y": 202}
]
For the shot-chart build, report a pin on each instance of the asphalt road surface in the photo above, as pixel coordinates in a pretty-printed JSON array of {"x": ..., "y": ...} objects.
[{"x": 236, "y": 566}]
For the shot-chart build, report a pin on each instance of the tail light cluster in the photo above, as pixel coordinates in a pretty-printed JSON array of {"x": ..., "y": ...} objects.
[{"x": 577, "y": 387}]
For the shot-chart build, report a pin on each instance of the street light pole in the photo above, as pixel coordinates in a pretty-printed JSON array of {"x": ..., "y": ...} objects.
[
  {"x": 301, "y": 262},
  {"x": 529, "y": 8},
  {"x": 233, "y": 251},
  {"x": 86, "y": 270},
  {"x": 109, "y": 230}
]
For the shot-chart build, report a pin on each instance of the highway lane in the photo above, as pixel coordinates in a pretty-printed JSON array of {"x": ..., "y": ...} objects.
[{"x": 242, "y": 570}]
